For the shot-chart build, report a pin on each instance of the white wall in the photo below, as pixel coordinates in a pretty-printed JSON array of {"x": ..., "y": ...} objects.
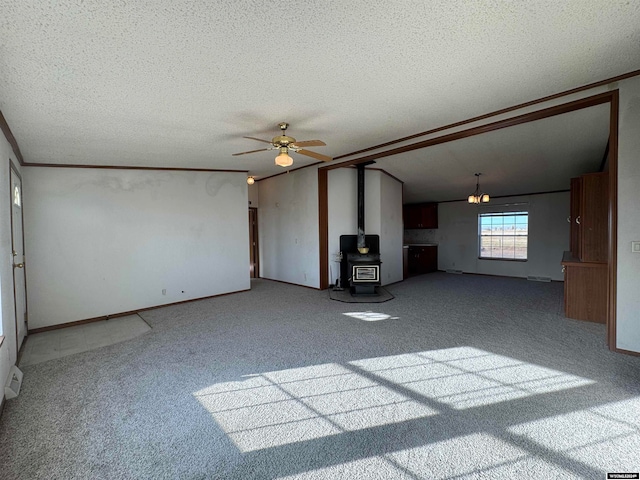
[
  {"x": 101, "y": 242},
  {"x": 372, "y": 192},
  {"x": 288, "y": 228},
  {"x": 391, "y": 225},
  {"x": 254, "y": 196},
  {"x": 342, "y": 212},
  {"x": 628, "y": 318},
  {"x": 457, "y": 236},
  {"x": 383, "y": 217},
  {"x": 8, "y": 352}
]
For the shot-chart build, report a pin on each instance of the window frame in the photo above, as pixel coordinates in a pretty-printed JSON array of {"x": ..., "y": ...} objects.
[{"x": 519, "y": 212}]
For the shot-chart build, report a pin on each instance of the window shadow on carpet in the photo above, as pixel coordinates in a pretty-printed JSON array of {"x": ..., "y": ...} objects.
[{"x": 434, "y": 414}]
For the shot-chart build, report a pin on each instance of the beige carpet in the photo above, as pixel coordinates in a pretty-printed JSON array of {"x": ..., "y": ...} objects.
[{"x": 44, "y": 346}]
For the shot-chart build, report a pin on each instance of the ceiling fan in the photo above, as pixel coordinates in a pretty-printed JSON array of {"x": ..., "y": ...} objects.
[{"x": 285, "y": 144}]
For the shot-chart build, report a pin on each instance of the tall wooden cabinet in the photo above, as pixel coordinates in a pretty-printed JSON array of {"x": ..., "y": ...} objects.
[
  {"x": 594, "y": 218},
  {"x": 585, "y": 266}
]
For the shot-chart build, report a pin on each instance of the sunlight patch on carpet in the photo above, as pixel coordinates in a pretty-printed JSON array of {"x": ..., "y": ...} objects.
[
  {"x": 465, "y": 377},
  {"x": 370, "y": 316},
  {"x": 602, "y": 437},
  {"x": 270, "y": 409}
]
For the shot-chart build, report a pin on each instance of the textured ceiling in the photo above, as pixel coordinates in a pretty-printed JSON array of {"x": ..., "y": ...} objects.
[{"x": 178, "y": 84}]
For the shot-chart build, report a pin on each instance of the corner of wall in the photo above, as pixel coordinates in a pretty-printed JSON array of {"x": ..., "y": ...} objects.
[{"x": 288, "y": 227}]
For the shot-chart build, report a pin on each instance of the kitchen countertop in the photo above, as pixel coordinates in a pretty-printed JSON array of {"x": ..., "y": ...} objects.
[{"x": 407, "y": 245}]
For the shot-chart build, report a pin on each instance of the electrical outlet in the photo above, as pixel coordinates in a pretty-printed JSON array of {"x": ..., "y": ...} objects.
[
  {"x": 635, "y": 247},
  {"x": 164, "y": 291}
]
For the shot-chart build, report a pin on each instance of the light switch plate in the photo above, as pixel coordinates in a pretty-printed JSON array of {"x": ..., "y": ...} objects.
[{"x": 635, "y": 247}]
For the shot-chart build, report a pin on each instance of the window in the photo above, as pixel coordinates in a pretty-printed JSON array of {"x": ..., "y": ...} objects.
[
  {"x": 16, "y": 196},
  {"x": 503, "y": 235}
]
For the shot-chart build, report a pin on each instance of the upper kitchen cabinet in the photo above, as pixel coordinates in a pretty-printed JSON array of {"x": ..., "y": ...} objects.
[{"x": 420, "y": 215}]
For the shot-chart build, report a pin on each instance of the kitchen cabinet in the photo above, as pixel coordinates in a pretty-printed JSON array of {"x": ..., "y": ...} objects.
[
  {"x": 420, "y": 215},
  {"x": 422, "y": 259},
  {"x": 405, "y": 262}
]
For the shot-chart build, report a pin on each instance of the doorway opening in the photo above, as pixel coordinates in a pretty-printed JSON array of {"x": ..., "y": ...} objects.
[{"x": 254, "y": 261}]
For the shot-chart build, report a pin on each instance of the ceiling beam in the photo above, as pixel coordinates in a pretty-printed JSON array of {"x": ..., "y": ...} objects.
[
  {"x": 489, "y": 127},
  {"x": 583, "y": 88}
]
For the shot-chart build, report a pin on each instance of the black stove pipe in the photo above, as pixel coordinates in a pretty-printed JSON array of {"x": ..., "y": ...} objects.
[{"x": 360, "y": 168}]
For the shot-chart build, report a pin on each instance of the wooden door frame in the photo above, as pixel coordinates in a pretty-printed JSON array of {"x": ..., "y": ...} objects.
[
  {"x": 612, "y": 280},
  {"x": 256, "y": 268},
  {"x": 13, "y": 170},
  {"x": 611, "y": 97}
]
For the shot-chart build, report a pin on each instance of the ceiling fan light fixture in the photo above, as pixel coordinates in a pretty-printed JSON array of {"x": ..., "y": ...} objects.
[
  {"x": 284, "y": 160},
  {"x": 284, "y": 144}
]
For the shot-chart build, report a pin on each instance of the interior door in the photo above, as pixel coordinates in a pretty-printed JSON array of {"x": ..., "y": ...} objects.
[
  {"x": 254, "y": 264},
  {"x": 17, "y": 245}
]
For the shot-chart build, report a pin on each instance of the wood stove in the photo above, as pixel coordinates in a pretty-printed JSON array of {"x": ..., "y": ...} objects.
[{"x": 364, "y": 273}]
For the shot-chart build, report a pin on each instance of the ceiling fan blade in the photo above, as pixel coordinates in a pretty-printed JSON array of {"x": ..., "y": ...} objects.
[
  {"x": 315, "y": 155},
  {"x": 251, "y": 151},
  {"x": 258, "y": 139},
  {"x": 310, "y": 143}
]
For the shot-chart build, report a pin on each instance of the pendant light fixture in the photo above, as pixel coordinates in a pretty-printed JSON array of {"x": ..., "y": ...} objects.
[
  {"x": 478, "y": 197},
  {"x": 251, "y": 180}
]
